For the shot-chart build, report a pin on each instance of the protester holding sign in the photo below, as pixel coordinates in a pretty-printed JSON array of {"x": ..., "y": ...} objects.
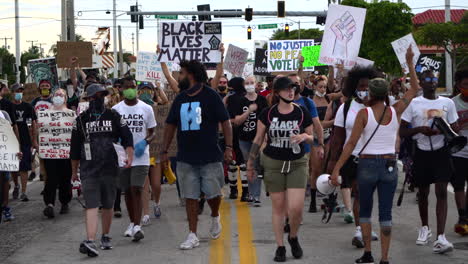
[
  {"x": 55, "y": 127},
  {"x": 26, "y": 122},
  {"x": 92, "y": 148},
  {"x": 140, "y": 119}
]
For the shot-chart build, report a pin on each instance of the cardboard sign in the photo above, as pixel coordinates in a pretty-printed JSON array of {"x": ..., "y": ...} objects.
[
  {"x": 427, "y": 63},
  {"x": 148, "y": 68},
  {"x": 248, "y": 70},
  {"x": 236, "y": 58},
  {"x": 30, "y": 92},
  {"x": 400, "y": 46},
  {"x": 161, "y": 112},
  {"x": 342, "y": 35},
  {"x": 55, "y": 129},
  {"x": 190, "y": 41},
  {"x": 261, "y": 62},
  {"x": 311, "y": 55},
  {"x": 283, "y": 54},
  {"x": 44, "y": 69},
  {"x": 9, "y": 147},
  {"x": 82, "y": 50}
]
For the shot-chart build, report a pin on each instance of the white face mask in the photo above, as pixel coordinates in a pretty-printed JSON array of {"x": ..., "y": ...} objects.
[
  {"x": 58, "y": 100},
  {"x": 250, "y": 88},
  {"x": 70, "y": 90},
  {"x": 106, "y": 100},
  {"x": 362, "y": 94},
  {"x": 319, "y": 94}
]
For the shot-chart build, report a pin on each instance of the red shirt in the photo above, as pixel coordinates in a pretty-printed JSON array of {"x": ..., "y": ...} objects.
[{"x": 265, "y": 93}]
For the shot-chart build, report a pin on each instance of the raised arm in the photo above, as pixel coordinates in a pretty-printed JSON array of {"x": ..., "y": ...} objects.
[
  {"x": 402, "y": 104},
  {"x": 173, "y": 83},
  {"x": 162, "y": 98},
  {"x": 219, "y": 69}
]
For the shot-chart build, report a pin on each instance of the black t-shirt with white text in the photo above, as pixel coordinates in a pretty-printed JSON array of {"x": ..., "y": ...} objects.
[
  {"x": 237, "y": 105},
  {"x": 24, "y": 117},
  {"x": 197, "y": 118},
  {"x": 280, "y": 128}
]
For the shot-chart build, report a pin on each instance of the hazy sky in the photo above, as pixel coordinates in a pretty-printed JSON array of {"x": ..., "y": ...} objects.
[{"x": 41, "y": 19}]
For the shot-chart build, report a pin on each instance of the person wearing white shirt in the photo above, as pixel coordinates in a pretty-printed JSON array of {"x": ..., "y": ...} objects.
[{"x": 432, "y": 159}]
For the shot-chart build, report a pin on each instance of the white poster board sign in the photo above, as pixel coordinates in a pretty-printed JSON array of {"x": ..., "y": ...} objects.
[
  {"x": 9, "y": 147},
  {"x": 283, "y": 54},
  {"x": 190, "y": 41},
  {"x": 236, "y": 58},
  {"x": 148, "y": 68},
  {"x": 400, "y": 46},
  {"x": 55, "y": 129},
  {"x": 342, "y": 35},
  {"x": 361, "y": 62}
]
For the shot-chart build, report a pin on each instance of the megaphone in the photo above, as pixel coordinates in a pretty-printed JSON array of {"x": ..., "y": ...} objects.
[
  {"x": 324, "y": 185},
  {"x": 454, "y": 141}
]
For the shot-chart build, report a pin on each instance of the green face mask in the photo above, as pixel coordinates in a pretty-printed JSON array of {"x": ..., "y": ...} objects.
[
  {"x": 130, "y": 94},
  {"x": 147, "y": 98}
]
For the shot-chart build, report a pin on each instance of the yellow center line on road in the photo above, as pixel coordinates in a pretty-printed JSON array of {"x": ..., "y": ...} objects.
[
  {"x": 247, "y": 250},
  {"x": 220, "y": 249}
]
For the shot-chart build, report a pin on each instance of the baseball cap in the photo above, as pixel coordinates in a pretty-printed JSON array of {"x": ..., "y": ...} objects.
[
  {"x": 15, "y": 87},
  {"x": 95, "y": 88},
  {"x": 282, "y": 83},
  {"x": 378, "y": 87},
  {"x": 146, "y": 84}
]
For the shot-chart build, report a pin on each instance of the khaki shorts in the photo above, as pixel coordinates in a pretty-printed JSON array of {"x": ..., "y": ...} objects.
[
  {"x": 282, "y": 175},
  {"x": 133, "y": 177}
]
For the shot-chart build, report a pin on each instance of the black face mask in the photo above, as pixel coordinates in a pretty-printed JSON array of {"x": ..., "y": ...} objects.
[
  {"x": 97, "y": 105},
  {"x": 222, "y": 88},
  {"x": 286, "y": 100},
  {"x": 184, "y": 84}
]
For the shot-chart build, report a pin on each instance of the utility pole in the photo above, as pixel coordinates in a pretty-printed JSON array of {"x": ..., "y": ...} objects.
[
  {"x": 6, "y": 43},
  {"x": 64, "y": 21},
  {"x": 133, "y": 44},
  {"x": 71, "y": 20},
  {"x": 137, "y": 32},
  {"x": 120, "y": 52},
  {"x": 40, "y": 49},
  {"x": 116, "y": 73},
  {"x": 32, "y": 43},
  {"x": 448, "y": 59},
  {"x": 17, "y": 39}
]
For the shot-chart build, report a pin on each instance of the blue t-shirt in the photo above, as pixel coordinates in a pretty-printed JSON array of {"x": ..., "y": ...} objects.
[
  {"x": 312, "y": 110},
  {"x": 197, "y": 118}
]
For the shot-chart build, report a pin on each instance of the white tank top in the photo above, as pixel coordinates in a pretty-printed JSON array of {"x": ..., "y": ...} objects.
[{"x": 384, "y": 139}]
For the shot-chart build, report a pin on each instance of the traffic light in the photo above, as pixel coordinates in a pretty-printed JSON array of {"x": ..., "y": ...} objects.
[
  {"x": 281, "y": 9},
  {"x": 249, "y": 33},
  {"x": 248, "y": 14},
  {"x": 286, "y": 29},
  {"x": 133, "y": 18},
  {"x": 141, "y": 25},
  {"x": 321, "y": 20},
  {"x": 204, "y": 8}
]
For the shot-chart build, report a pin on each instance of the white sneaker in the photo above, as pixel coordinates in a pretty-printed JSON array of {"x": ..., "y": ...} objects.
[
  {"x": 215, "y": 229},
  {"x": 191, "y": 242},
  {"x": 375, "y": 237},
  {"x": 424, "y": 234},
  {"x": 146, "y": 220},
  {"x": 137, "y": 233},
  {"x": 357, "y": 239},
  {"x": 441, "y": 245},
  {"x": 129, "y": 231}
]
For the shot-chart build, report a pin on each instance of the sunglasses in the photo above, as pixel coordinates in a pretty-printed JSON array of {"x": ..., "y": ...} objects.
[
  {"x": 433, "y": 79},
  {"x": 222, "y": 82}
]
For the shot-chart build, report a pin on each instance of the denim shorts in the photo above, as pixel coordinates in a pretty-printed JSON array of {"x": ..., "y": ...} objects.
[
  {"x": 195, "y": 179},
  {"x": 373, "y": 174}
]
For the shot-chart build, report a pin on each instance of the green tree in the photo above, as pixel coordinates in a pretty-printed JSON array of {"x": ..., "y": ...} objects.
[
  {"x": 31, "y": 54},
  {"x": 450, "y": 36},
  {"x": 312, "y": 33},
  {"x": 53, "y": 48},
  {"x": 126, "y": 58},
  {"x": 385, "y": 22},
  {"x": 7, "y": 61}
]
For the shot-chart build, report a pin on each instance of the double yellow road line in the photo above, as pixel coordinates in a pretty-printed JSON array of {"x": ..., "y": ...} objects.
[{"x": 220, "y": 249}]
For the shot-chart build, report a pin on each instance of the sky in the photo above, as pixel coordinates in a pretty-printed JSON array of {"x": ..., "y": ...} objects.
[{"x": 40, "y": 19}]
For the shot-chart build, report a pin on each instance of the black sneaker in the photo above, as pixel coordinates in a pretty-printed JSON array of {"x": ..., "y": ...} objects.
[
  {"x": 64, "y": 209},
  {"x": 117, "y": 213},
  {"x": 201, "y": 206},
  {"x": 32, "y": 176},
  {"x": 296, "y": 249},
  {"x": 312, "y": 206},
  {"x": 106, "y": 242},
  {"x": 89, "y": 248},
  {"x": 280, "y": 254},
  {"x": 365, "y": 259},
  {"x": 384, "y": 262},
  {"x": 234, "y": 193},
  {"x": 49, "y": 212},
  {"x": 245, "y": 195},
  {"x": 16, "y": 192}
]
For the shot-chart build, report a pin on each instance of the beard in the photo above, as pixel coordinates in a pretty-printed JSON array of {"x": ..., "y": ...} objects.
[{"x": 184, "y": 84}]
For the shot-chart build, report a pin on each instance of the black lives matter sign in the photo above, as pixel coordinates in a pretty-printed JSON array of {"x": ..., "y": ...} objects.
[{"x": 190, "y": 41}]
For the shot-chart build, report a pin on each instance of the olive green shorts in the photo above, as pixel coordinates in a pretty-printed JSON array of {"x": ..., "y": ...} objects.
[{"x": 281, "y": 175}]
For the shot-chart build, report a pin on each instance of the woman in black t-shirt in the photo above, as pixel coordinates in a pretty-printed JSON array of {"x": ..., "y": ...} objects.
[{"x": 288, "y": 127}]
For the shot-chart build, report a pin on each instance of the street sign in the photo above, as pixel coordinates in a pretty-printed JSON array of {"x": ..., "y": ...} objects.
[
  {"x": 267, "y": 26},
  {"x": 172, "y": 17}
]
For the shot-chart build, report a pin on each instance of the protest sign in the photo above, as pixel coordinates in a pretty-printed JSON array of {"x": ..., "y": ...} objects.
[
  {"x": 342, "y": 35},
  {"x": 400, "y": 46},
  {"x": 81, "y": 49},
  {"x": 190, "y": 41},
  {"x": 427, "y": 63},
  {"x": 361, "y": 62},
  {"x": 44, "y": 69},
  {"x": 30, "y": 92},
  {"x": 55, "y": 128},
  {"x": 248, "y": 70},
  {"x": 161, "y": 112},
  {"x": 148, "y": 68},
  {"x": 261, "y": 62},
  {"x": 311, "y": 55},
  {"x": 236, "y": 58},
  {"x": 9, "y": 147},
  {"x": 283, "y": 54}
]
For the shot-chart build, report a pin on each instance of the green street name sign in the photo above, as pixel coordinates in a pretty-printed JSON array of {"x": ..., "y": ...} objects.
[
  {"x": 267, "y": 26},
  {"x": 174, "y": 17}
]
